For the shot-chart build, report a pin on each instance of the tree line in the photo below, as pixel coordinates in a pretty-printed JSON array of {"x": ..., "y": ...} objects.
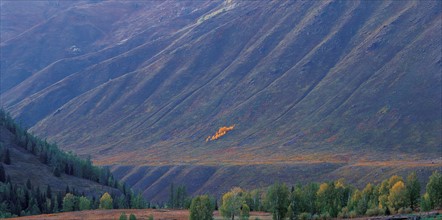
[
  {"x": 23, "y": 200},
  {"x": 18, "y": 200},
  {"x": 51, "y": 155},
  {"x": 326, "y": 200}
]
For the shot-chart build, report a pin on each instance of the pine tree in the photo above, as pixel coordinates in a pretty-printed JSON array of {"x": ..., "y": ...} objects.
[
  {"x": 172, "y": 197},
  {"x": 132, "y": 217},
  {"x": 7, "y": 157},
  {"x": 28, "y": 184},
  {"x": 57, "y": 172},
  {"x": 48, "y": 192},
  {"x": 2, "y": 174},
  {"x": 123, "y": 216}
]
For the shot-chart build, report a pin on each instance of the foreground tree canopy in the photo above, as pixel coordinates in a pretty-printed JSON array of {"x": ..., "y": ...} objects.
[{"x": 336, "y": 199}]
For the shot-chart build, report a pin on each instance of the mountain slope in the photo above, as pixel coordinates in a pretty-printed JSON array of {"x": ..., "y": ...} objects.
[
  {"x": 340, "y": 82},
  {"x": 26, "y": 166}
]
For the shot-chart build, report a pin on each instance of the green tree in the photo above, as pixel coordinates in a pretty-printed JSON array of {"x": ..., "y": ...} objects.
[
  {"x": 123, "y": 216},
  {"x": 172, "y": 196},
  {"x": 245, "y": 212},
  {"x": 425, "y": 203},
  {"x": 434, "y": 190},
  {"x": 398, "y": 196},
  {"x": 137, "y": 202},
  {"x": 295, "y": 202},
  {"x": 106, "y": 201},
  {"x": 413, "y": 190},
  {"x": 201, "y": 208},
  {"x": 256, "y": 200},
  {"x": 132, "y": 217},
  {"x": 68, "y": 203},
  {"x": 84, "y": 203},
  {"x": 384, "y": 191},
  {"x": 231, "y": 203},
  {"x": 277, "y": 200}
]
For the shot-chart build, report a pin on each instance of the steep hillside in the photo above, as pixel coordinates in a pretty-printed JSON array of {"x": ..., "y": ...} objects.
[
  {"x": 303, "y": 82},
  {"x": 27, "y": 166}
]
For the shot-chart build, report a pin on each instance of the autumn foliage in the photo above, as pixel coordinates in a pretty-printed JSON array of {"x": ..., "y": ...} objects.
[{"x": 221, "y": 132}]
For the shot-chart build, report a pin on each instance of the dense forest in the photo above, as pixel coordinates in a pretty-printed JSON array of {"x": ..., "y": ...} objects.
[
  {"x": 30, "y": 199},
  {"x": 327, "y": 200}
]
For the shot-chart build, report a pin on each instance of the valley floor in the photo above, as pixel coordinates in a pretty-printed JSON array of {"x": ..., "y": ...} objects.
[
  {"x": 166, "y": 214},
  {"x": 158, "y": 214}
]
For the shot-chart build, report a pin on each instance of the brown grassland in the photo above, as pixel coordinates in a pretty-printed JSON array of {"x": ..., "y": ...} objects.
[{"x": 158, "y": 214}]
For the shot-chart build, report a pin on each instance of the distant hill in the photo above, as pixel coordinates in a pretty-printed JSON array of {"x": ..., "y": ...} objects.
[{"x": 141, "y": 84}]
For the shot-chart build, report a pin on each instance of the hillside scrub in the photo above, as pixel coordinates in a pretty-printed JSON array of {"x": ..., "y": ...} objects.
[{"x": 221, "y": 132}]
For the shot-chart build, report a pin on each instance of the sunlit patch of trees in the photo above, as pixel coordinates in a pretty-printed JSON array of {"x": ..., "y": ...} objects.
[
  {"x": 221, "y": 132},
  {"x": 335, "y": 199}
]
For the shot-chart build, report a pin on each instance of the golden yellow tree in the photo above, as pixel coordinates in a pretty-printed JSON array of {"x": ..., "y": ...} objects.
[
  {"x": 398, "y": 196},
  {"x": 106, "y": 201}
]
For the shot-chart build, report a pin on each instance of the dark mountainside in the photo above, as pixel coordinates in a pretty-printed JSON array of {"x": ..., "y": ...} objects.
[{"x": 316, "y": 90}]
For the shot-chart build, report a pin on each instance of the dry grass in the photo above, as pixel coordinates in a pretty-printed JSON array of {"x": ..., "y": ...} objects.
[{"x": 158, "y": 214}]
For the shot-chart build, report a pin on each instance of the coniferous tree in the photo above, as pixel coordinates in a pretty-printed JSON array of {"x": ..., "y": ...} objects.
[
  {"x": 57, "y": 172},
  {"x": 132, "y": 217},
  {"x": 172, "y": 199},
  {"x": 7, "y": 157},
  {"x": 2, "y": 173},
  {"x": 48, "y": 192},
  {"x": 28, "y": 184},
  {"x": 123, "y": 216}
]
